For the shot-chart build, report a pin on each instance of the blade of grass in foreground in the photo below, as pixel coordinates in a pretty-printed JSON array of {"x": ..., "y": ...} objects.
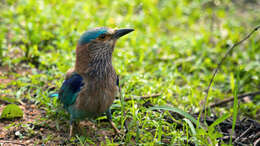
[
  {"x": 183, "y": 113},
  {"x": 193, "y": 131},
  {"x": 219, "y": 120},
  {"x": 235, "y": 105}
]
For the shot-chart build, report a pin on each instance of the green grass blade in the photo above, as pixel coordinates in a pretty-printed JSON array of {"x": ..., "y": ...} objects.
[
  {"x": 183, "y": 113},
  {"x": 235, "y": 105},
  {"x": 193, "y": 131},
  {"x": 219, "y": 120}
]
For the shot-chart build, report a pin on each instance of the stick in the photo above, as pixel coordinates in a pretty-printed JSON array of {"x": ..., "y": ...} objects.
[
  {"x": 142, "y": 97},
  {"x": 244, "y": 133},
  {"x": 232, "y": 98},
  {"x": 222, "y": 60},
  {"x": 225, "y": 101},
  {"x": 11, "y": 142}
]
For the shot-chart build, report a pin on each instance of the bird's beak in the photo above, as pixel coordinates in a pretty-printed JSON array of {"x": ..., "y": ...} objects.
[{"x": 121, "y": 32}]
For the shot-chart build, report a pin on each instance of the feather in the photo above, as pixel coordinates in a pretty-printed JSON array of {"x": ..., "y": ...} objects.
[
  {"x": 54, "y": 95},
  {"x": 70, "y": 89}
]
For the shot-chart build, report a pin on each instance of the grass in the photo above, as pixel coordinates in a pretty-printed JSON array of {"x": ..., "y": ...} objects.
[
  {"x": 174, "y": 49},
  {"x": 235, "y": 106}
]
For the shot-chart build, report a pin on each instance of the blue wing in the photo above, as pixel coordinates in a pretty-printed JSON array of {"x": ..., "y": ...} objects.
[{"x": 70, "y": 89}]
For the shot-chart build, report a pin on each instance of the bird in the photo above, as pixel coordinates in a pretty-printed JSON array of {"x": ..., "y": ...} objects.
[{"x": 91, "y": 86}]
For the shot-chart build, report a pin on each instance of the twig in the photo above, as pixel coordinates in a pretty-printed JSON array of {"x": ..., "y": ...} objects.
[
  {"x": 256, "y": 142},
  {"x": 244, "y": 133},
  {"x": 142, "y": 97},
  {"x": 11, "y": 142},
  {"x": 222, "y": 60},
  {"x": 225, "y": 101}
]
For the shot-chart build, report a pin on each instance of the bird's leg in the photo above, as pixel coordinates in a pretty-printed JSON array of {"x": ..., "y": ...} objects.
[
  {"x": 71, "y": 128},
  {"x": 109, "y": 117},
  {"x": 76, "y": 126},
  {"x": 73, "y": 125}
]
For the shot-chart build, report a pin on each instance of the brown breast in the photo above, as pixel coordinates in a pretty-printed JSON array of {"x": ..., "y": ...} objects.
[{"x": 97, "y": 95}]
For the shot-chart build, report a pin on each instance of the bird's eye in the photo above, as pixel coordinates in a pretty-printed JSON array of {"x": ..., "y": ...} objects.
[{"x": 102, "y": 36}]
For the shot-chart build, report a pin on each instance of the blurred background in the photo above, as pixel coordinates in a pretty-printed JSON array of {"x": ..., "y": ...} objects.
[{"x": 173, "y": 51}]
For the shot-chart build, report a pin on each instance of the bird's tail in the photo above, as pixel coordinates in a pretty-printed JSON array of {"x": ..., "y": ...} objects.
[{"x": 54, "y": 95}]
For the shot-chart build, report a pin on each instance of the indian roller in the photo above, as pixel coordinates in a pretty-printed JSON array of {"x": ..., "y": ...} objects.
[{"x": 90, "y": 87}]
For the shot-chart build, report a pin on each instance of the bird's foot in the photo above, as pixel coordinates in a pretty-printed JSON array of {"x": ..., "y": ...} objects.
[
  {"x": 114, "y": 127},
  {"x": 74, "y": 124},
  {"x": 109, "y": 117},
  {"x": 71, "y": 131}
]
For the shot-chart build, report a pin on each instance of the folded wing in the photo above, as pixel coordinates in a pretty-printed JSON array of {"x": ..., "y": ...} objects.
[{"x": 70, "y": 89}]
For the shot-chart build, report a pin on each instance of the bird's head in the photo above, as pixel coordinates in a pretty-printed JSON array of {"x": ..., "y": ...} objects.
[
  {"x": 97, "y": 45},
  {"x": 102, "y": 35}
]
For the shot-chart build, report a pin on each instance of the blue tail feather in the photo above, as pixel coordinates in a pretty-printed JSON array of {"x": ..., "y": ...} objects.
[{"x": 54, "y": 95}]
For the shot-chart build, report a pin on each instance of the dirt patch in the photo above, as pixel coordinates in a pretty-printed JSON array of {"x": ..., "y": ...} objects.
[{"x": 35, "y": 128}]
